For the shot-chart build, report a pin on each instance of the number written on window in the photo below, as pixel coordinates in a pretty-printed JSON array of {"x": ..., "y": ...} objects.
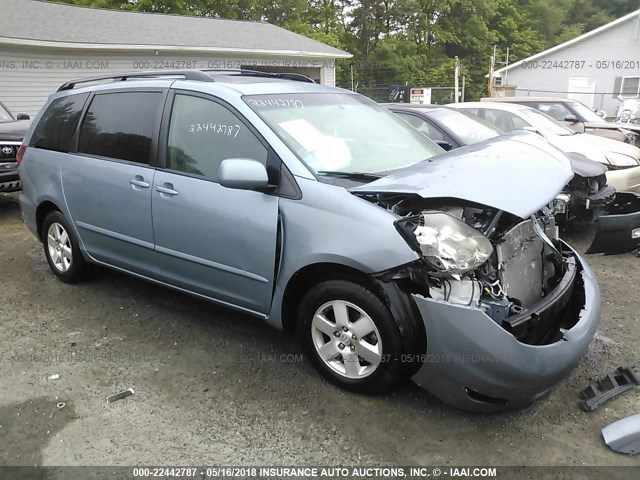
[{"x": 217, "y": 128}]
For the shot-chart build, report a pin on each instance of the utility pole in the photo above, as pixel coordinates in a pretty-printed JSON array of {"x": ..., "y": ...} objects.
[
  {"x": 352, "y": 89},
  {"x": 492, "y": 60},
  {"x": 506, "y": 72},
  {"x": 464, "y": 77},
  {"x": 456, "y": 79}
]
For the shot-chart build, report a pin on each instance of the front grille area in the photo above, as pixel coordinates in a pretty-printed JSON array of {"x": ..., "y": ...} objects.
[{"x": 8, "y": 152}]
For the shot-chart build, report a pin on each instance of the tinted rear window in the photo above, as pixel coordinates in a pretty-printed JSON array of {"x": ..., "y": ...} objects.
[
  {"x": 58, "y": 123},
  {"x": 120, "y": 125}
]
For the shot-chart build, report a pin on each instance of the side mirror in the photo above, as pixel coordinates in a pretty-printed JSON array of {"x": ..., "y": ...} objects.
[
  {"x": 571, "y": 118},
  {"x": 22, "y": 116},
  {"x": 243, "y": 174},
  {"x": 601, "y": 113},
  {"x": 444, "y": 144}
]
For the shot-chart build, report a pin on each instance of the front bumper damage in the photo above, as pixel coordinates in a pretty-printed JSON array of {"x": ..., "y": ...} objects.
[
  {"x": 475, "y": 364},
  {"x": 619, "y": 230}
]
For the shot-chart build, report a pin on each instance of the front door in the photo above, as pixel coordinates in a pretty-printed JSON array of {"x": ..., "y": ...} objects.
[{"x": 215, "y": 241}]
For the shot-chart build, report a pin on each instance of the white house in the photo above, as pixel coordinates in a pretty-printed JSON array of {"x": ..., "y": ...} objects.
[
  {"x": 594, "y": 68},
  {"x": 43, "y": 45}
]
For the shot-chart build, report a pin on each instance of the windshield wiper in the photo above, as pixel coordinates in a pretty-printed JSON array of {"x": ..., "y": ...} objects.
[{"x": 350, "y": 175}]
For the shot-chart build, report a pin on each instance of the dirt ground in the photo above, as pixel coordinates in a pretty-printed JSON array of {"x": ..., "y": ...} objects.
[{"x": 215, "y": 387}]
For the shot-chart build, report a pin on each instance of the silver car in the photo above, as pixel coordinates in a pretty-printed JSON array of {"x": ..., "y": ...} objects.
[{"x": 319, "y": 211}]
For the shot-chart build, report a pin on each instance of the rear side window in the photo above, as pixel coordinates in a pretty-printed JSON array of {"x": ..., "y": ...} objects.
[
  {"x": 58, "y": 123},
  {"x": 120, "y": 125}
]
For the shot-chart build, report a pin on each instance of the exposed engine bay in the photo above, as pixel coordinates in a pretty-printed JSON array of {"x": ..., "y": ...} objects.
[
  {"x": 515, "y": 270},
  {"x": 584, "y": 199}
]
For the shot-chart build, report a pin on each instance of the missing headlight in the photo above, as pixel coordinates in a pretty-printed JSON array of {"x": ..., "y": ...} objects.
[{"x": 448, "y": 245}]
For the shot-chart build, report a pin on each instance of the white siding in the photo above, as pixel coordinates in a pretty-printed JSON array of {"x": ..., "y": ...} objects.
[
  {"x": 29, "y": 76},
  {"x": 619, "y": 43},
  {"x": 328, "y": 74}
]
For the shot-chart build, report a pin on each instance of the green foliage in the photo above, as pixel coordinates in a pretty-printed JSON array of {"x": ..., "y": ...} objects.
[{"x": 410, "y": 41}]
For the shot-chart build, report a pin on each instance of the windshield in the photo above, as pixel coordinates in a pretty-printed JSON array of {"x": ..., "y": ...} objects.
[
  {"x": 585, "y": 113},
  {"x": 341, "y": 132},
  {"x": 544, "y": 123},
  {"x": 5, "y": 116},
  {"x": 466, "y": 127}
]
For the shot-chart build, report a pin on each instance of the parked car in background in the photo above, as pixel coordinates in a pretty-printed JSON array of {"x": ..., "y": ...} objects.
[
  {"x": 12, "y": 131},
  {"x": 621, "y": 159},
  {"x": 316, "y": 209},
  {"x": 628, "y": 113},
  {"x": 587, "y": 197},
  {"x": 577, "y": 116},
  {"x": 448, "y": 128}
]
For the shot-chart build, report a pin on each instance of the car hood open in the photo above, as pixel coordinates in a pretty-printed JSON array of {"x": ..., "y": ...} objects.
[{"x": 518, "y": 173}]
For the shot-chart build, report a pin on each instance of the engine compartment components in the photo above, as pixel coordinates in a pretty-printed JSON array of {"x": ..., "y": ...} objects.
[
  {"x": 521, "y": 263},
  {"x": 616, "y": 382},
  {"x": 465, "y": 291},
  {"x": 513, "y": 269}
]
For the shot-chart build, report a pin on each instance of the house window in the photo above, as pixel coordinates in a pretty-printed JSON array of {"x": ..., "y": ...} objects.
[{"x": 630, "y": 86}]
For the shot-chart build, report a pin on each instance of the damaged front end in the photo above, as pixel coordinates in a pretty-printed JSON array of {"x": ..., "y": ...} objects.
[
  {"x": 588, "y": 198},
  {"x": 618, "y": 231},
  {"x": 491, "y": 260},
  {"x": 500, "y": 298},
  {"x": 507, "y": 307}
]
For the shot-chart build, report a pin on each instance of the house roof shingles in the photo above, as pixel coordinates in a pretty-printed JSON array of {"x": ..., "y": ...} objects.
[{"x": 35, "y": 22}]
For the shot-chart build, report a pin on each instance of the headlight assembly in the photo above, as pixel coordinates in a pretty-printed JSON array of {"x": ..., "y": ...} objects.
[
  {"x": 621, "y": 160},
  {"x": 448, "y": 245}
]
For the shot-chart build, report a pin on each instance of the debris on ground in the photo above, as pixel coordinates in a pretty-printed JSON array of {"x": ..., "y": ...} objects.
[{"x": 118, "y": 396}]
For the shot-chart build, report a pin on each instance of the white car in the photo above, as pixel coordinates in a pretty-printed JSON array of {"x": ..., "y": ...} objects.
[{"x": 622, "y": 159}]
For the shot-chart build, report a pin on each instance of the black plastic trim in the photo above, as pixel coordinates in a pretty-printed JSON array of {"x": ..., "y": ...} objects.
[
  {"x": 550, "y": 305},
  {"x": 616, "y": 382}
]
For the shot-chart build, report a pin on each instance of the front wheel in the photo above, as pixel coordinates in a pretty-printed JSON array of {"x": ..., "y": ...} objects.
[
  {"x": 350, "y": 336},
  {"x": 61, "y": 249}
]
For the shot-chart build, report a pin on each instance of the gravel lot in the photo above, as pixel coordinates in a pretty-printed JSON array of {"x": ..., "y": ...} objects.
[{"x": 215, "y": 387}]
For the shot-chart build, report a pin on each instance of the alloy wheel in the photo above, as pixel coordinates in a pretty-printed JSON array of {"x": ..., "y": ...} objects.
[
  {"x": 346, "y": 339},
  {"x": 59, "y": 247}
]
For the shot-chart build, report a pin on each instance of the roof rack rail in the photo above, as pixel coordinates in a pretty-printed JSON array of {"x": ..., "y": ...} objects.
[
  {"x": 298, "y": 77},
  {"x": 121, "y": 77},
  {"x": 197, "y": 75}
]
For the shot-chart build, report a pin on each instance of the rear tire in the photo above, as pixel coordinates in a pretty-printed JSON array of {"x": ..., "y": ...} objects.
[
  {"x": 350, "y": 336},
  {"x": 62, "y": 250}
]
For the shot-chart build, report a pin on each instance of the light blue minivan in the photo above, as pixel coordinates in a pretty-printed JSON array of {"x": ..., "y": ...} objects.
[{"x": 319, "y": 211}]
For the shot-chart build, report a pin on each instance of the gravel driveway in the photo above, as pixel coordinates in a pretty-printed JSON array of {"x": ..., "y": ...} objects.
[{"x": 215, "y": 387}]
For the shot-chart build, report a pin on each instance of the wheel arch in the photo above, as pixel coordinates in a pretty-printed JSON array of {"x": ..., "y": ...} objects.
[
  {"x": 391, "y": 293},
  {"x": 308, "y": 276},
  {"x": 44, "y": 208}
]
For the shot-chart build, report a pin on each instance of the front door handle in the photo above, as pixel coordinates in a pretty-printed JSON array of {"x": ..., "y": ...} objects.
[
  {"x": 138, "y": 181},
  {"x": 166, "y": 189}
]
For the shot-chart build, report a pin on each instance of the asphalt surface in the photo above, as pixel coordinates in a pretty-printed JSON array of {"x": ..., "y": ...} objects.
[{"x": 215, "y": 387}]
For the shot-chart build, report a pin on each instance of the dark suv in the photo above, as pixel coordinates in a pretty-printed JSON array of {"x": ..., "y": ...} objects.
[{"x": 12, "y": 131}]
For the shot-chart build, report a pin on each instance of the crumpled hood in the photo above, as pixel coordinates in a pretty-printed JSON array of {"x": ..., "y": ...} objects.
[
  {"x": 586, "y": 168},
  {"x": 15, "y": 130},
  {"x": 518, "y": 173},
  {"x": 593, "y": 147}
]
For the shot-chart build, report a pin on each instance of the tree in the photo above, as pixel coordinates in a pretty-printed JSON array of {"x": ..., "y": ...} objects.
[{"x": 409, "y": 41}]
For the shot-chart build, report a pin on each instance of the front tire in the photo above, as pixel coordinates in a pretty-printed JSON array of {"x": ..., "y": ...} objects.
[
  {"x": 62, "y": 250},
  {"x": 350, "y": 336}
]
